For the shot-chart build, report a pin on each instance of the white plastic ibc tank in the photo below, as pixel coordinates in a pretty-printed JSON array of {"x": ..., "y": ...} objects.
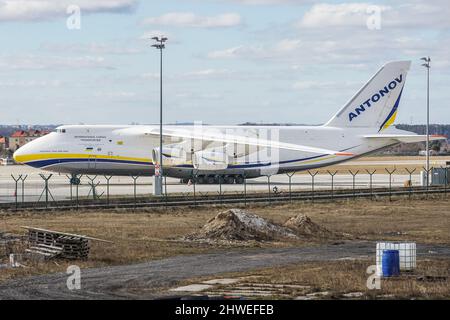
[{"x": 407, "y": 251}]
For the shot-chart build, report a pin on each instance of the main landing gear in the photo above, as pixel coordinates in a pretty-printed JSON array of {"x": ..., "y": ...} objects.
[{"x": 215, "y": 179}]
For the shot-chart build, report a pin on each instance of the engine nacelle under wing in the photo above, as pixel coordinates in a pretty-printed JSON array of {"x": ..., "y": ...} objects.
[{"x": 171, "y": 155}]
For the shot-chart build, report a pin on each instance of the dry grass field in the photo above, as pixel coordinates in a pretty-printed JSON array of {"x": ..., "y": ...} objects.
[{"x": 153, "y": 234}]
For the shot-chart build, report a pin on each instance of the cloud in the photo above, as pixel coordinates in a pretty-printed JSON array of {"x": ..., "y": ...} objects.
[
  {"x": 39, "y": 10},
  {"x": 150, "y": 76},
  {"x": 337, "y": 34},
  {"x": 396, "y": 15},
  {"x": 30, "y": 83},
  {"x": 322, "y": 85},
  {"x": 115, "y": 94},
  {"x": 282, "y": 48},
  {"x": 33, "y": 62},
  {"x": 208, "y": 74},
  {"x": 243, "y": 51},
  {"x": 189, "y": 19},
  {"x": 270, "y": 2},
  {"x": 92, "y": 48},
  {"x": 337, "y": 15},
  {"x": 357, "y": 49},
  {"x": 199, "y": 96}
]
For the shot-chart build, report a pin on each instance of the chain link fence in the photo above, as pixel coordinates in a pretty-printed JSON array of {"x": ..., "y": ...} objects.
[{"x": 54, "y": 190}]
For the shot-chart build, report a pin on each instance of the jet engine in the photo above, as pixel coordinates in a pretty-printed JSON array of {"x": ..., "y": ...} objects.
[{"x": 172, "y": 155}]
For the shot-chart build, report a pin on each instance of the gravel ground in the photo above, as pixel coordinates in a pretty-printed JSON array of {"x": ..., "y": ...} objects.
[{"x": 148, "y": 280}]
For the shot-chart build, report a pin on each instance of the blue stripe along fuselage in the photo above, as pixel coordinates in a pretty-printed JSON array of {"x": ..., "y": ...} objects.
[{"x": 50, "y": 162}]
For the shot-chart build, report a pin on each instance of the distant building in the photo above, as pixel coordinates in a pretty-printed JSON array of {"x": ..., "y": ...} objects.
[
  {"x": 20, "y": 138},
  {"x": 6, "y": 162},
  {"x": 4, "y": 143}
]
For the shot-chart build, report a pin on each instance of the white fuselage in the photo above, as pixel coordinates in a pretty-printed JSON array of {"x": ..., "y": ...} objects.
[{"x": 114, "y": 150}]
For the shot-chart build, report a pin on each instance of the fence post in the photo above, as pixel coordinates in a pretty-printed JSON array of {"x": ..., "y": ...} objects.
[
  {"x": 353, "y": 181},
  {"x": 77, "y": 191},
  {"x": 23, "y": 187},
  {"x": 290, "y": 175},
  {"x": 427, "y": 172},
  {"x": 313, "y": 175},
  {"x": 70, "y": 184},
  {"x": 332, "y": 174},
  {"x": 245, "y": 189},
  {"x": 219, "y": 179},
  {"x": 270, "y": 191},
  {"x": 16, "y": 180},
  {"x": 134, "y": 189},
  {"x": 46, "y": 189},
  {"x": 93, "y": 187},
  {"x": 427, "y": 180},
  {"x": 108, "y": 178},
  {"x": 446, "y": 181},
  {"x": 410, "y": 172},
  {"x": 165, "y": 186},
  {"x": 194, "y": 181},
  {"x": 390, "y": 181},
  {"x": 371, "y": 173}
]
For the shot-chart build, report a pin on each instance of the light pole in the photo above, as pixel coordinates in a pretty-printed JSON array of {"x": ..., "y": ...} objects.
[
  {"x": 158, "y": 181},
  {"x": 428, "y": 66}
]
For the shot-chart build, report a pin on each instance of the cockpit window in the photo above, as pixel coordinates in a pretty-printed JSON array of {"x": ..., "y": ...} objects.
[{"x": 61, "y": 130}]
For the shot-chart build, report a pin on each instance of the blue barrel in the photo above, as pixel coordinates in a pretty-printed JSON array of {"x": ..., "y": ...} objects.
[{"x": 390, "y": 263}]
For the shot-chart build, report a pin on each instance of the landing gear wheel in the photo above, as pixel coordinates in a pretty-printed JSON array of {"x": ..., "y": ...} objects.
[
  {"x": 201, "y": 180},
  {"x": 240, "y": 180},
  {"x": 229, "y": 179}
]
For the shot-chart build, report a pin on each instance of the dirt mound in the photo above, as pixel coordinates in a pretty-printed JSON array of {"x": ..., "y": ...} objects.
[
  {"x": 238, "y": 225},
  {"x": 303, "y": 227}
]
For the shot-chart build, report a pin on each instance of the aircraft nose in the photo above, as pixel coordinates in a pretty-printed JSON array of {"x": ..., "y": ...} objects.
[
  {"x": 21, "y": 154},
  {"x": 18, "y": 155}
]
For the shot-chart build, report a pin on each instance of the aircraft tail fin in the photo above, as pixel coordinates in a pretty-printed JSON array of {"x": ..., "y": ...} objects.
[{"x": 376, "y": 104}]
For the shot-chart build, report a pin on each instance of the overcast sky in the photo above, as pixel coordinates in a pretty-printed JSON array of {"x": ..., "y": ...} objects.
[{"x": 226, "y": 62}]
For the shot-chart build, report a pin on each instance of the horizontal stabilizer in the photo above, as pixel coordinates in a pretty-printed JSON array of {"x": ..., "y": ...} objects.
[{"x": 405, "y": 138}]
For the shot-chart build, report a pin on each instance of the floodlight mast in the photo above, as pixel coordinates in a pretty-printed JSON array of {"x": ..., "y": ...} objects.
[
  {"x": 158, "y": 181},
  {"x": 427, "y": 65}
]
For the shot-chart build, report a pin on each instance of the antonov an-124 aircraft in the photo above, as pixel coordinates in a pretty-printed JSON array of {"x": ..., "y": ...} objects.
[{"x": 231, "y": 153}]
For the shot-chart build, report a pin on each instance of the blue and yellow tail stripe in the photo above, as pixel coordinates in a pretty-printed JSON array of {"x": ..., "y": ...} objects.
[{"x": 392, "y": 115}]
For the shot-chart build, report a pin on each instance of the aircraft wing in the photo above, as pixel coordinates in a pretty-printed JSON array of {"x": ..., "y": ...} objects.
[
  {"x": 405, "y": 138},
  {"x": 211, "y": 137}
]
